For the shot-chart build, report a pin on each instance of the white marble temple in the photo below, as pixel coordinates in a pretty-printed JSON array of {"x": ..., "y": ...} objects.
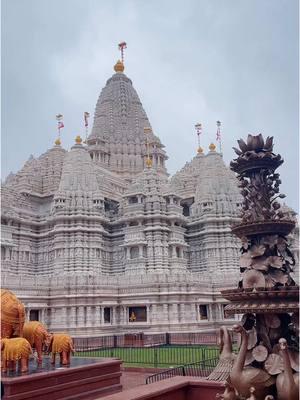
[{"x": 90, "y": 232}]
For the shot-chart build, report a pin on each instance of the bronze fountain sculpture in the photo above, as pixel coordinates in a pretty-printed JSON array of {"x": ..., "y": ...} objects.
[{"x": 266, "y": 365}]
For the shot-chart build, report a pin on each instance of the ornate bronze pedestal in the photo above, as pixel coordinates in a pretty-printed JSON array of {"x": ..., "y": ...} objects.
[{"x": 267, "y": 365}]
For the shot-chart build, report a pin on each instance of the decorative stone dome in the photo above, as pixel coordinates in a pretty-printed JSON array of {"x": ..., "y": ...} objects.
[
  {"x": 149, "y": 182},
  {"x": 78, "y": 188},
  {"x": 40, "y": 176},
  {"x": 217, "y": 189}
]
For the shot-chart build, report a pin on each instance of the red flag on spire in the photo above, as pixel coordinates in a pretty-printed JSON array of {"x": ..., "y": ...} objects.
[
  {"x": 60, "y": 124},
  {"x": 122, "y": 46}
]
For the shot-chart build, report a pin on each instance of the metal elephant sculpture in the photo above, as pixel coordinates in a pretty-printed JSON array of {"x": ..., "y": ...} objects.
[
  {"x": 61, "y": 343},
  {"x": 38, "y": 337},
  {"x": 13, "y": 351},
  {"x": 12, "y": 315}
]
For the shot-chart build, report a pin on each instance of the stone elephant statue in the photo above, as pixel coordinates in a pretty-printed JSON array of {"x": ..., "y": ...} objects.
[
  {"x": 61, "y": 343},
  {"x": 12, "y": 315},
  {"x": 13, "y": 351},
  {"x": 38, "y": 337}
]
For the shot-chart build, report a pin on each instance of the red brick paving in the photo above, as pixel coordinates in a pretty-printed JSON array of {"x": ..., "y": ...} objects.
[{"x": 130, "y": 380}]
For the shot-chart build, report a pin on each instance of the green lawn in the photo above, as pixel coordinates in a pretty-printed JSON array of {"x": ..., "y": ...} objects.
[{"x": 165, "y": 356}]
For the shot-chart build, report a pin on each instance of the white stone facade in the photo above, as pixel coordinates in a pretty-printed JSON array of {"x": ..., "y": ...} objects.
[{"x": 91, "y": 232}]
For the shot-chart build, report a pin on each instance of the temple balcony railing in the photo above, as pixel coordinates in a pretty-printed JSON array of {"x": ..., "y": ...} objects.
[
  {"x": 134, "y": 236},
  {"x": 133, "y": 208},
  {"x": 174, "y": 209}
]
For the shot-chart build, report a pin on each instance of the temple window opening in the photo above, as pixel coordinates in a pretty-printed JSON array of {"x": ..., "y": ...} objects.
[
  {"x": 203, "y": 311},
  {"x": 133, "y": 200},
  {"x": 134, "y": 252},
  {"x": 107, "y": 315},
  {"x": 34, "y": 315},
  {"x": 137, "y": 314}
]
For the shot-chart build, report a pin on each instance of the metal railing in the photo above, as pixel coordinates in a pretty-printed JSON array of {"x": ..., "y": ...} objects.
[
  {"x": 155, "y": 357},
  {"x": 152, "y": 350},
  {"x": 200, "y": 369}
]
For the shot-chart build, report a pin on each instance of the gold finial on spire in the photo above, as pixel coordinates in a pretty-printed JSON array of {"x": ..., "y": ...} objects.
[
  {"x": 212, "y": 147},
  {"x": 147, "y": 131},
  {"x": 78, "y": 139},
  {"x": 149, "y": 162},
  {"x": 119, "y": 66},
  {"x": 200, "y": 150},
  {"x": 57, "y": 142}
]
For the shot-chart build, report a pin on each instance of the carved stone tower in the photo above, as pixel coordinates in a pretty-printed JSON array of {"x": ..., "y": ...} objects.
[{"x": 117, "y": 141}]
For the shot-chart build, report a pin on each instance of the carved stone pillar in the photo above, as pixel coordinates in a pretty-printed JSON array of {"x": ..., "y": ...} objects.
[
  {"x": 182, "y": 312},
  {"x": 220, "y": 312},
  {"x": 173, "y": 313},
  {"x": 73, "y": 316},
  {"x": 114, "y": 315},
  {"x": 154, "y": 316},
  {"x": 88, "y": 315},
  {"x": 140, "y": 251},
  {"x": 80, "y": 316},
  {"x": 63, "y": 316},
  {"x": 99, "y": 313},
  {"x": 124, "y": 315},
  {"x": 173, "y": 252},
  {"x": 165, "y": 316},
  {"x": 148, "y": 314}
]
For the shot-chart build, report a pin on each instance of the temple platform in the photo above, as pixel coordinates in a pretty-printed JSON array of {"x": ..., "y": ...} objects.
[{"x": 84, "y": 379}]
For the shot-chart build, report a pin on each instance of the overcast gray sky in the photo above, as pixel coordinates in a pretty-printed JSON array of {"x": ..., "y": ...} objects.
[{"x": 190, "y": 61}]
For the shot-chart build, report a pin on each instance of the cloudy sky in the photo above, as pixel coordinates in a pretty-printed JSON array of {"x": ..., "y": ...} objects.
[{"x": 190, "y": 61}]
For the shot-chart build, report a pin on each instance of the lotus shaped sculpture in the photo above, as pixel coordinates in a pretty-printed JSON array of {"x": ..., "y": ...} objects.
[
  {"x": 255, "y": 154},
  {"x": 254, "y": 143},
  {"x": 259, "y": 184}
]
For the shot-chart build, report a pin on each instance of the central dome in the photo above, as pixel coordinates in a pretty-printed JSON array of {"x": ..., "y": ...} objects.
[{"x": 118, "y": 140}]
